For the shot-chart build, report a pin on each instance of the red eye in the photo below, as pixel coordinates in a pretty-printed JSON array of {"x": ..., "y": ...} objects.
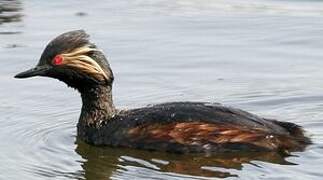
[{"x": 58, "y": 60}]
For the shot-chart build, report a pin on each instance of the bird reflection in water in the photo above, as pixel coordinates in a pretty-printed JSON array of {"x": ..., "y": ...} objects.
[{"x": 105, "y": 162}]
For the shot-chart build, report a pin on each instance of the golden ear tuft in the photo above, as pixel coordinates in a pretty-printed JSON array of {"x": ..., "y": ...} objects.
[{"x": 80, "y": 61}]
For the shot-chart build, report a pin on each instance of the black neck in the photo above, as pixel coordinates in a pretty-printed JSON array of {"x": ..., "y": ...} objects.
[{"x": 97, "y": 104}]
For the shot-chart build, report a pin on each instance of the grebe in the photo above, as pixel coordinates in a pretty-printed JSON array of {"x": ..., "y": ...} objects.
[{"x": 180, "y": 127}]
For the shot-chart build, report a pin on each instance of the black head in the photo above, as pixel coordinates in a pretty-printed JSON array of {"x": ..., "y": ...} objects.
[{"x": 73, "y": 59}]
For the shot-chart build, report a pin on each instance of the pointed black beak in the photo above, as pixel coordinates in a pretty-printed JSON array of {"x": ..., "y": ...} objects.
[{"x": 37, "y": 71}]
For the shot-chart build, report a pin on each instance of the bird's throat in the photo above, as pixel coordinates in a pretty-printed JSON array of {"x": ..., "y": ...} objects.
[{"x": 97, "y": 105}]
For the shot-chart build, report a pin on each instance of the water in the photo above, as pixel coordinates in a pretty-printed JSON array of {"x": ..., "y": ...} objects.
[{"x": 262, "y": 56}]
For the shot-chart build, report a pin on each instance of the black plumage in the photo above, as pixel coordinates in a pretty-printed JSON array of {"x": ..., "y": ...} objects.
[{"x": 173, "y": 127}]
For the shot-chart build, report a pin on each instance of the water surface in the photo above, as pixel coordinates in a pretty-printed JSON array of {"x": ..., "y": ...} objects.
[{"x": 262, "y": 56}]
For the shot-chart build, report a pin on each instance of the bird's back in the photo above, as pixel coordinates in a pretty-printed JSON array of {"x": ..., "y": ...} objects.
[{"x": 198, "y": 127}]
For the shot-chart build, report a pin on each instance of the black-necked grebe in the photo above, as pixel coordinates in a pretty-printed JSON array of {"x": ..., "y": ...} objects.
[{"x": 173, "y": 127}]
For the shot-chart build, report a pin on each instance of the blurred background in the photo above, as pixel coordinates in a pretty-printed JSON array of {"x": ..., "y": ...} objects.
[{"x": 263, "y": 56}]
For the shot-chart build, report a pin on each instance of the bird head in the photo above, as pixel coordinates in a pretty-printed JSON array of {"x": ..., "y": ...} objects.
[{"x": 73, "y": 59}]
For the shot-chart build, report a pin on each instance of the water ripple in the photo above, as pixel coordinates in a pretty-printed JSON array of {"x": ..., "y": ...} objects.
[{"x": 262, "y": 56}]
